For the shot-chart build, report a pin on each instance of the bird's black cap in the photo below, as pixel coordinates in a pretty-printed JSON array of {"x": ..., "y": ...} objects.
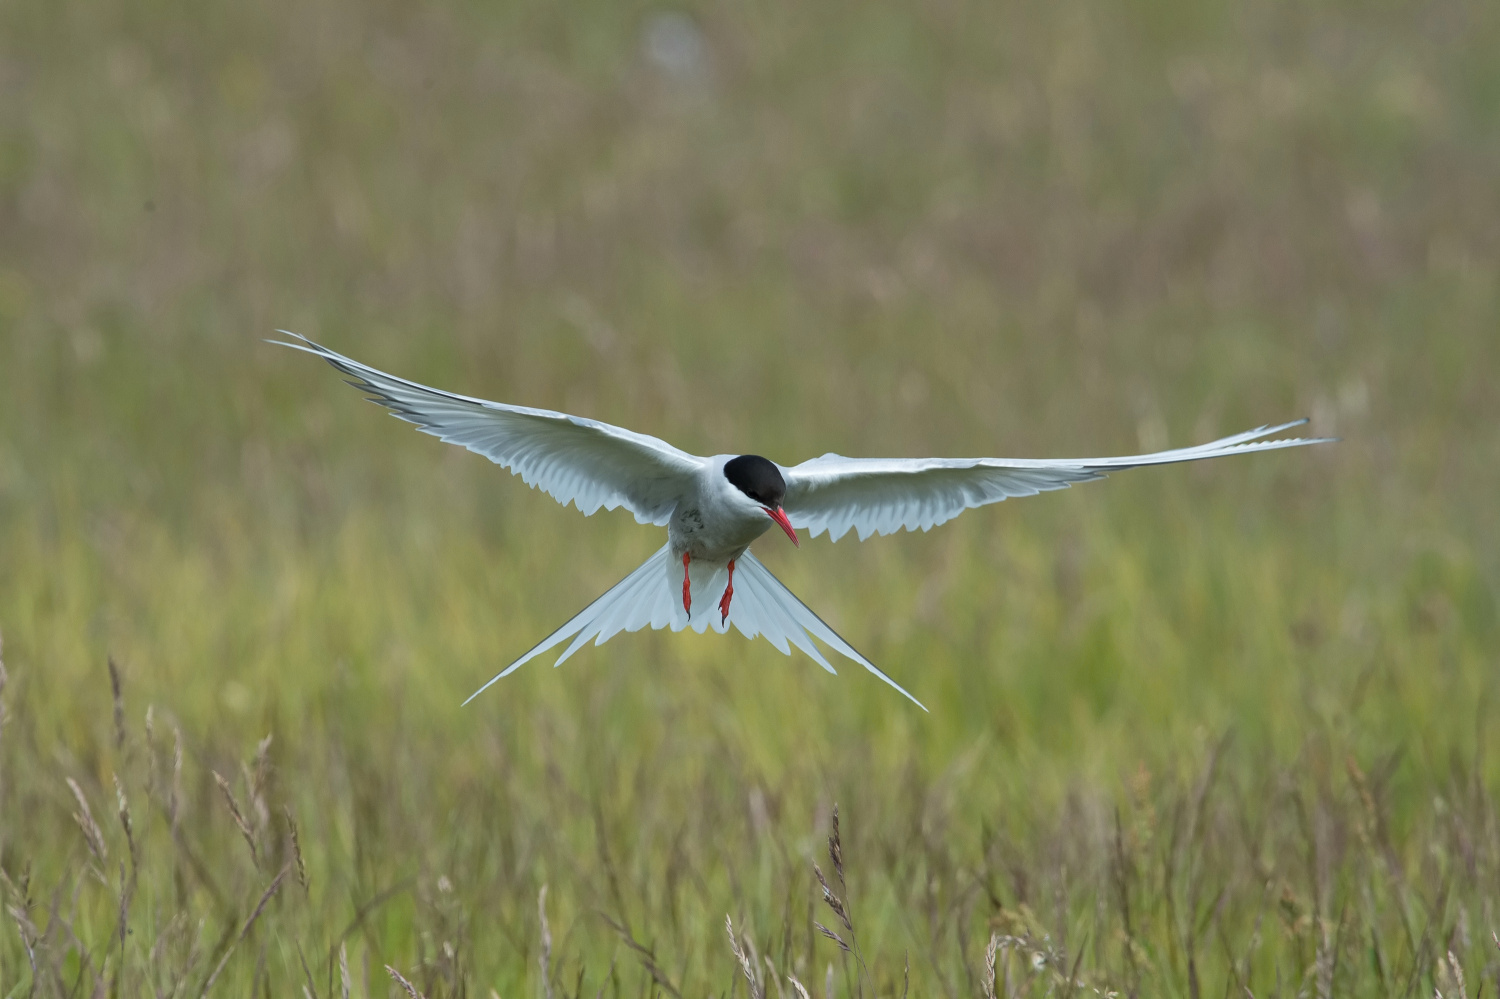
[{"x": 756, "y": 477}]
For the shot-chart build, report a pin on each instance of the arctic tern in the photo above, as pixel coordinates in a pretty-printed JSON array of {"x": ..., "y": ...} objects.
[{"x": 714, "y": 508}]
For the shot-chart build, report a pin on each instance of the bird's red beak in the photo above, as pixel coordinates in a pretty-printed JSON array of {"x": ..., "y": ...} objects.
[{"x": 779, "y": 515}]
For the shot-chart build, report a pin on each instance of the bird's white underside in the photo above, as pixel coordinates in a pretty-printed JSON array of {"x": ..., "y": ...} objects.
[{"x": 594, "y": 466}]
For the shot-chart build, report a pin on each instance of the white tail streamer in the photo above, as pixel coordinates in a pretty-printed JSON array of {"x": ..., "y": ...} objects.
[{"x": 651, "y": 596}]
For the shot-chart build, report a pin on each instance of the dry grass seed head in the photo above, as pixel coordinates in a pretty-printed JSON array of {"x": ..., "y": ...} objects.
[
  {"x": 150, "y": 751},
  {"x": 832, "y": 936},
  {"x": 757, "y": 989},
  {"x": 344, "y": 969},
  {"x": 1451, "y": 975},
  {"x": 644, "y": 954},
  {"x": 126, "y": 894},
  {"x": 291, "y": 824},
  {"x": 28, "y": 936},
  {"x": 85, "y": 820},
  {"x": 989, "y": 966},
  {"x": 29, "y": 933},
  {"x": 801, "y": 989},
  {"x": 836, "y": 850},
  {"x": 832, "y": 899},
  {"x": 239, "y": 816},
  {"x": 256, "y": 781},
  {"x": 119, "y": 702},
  {"x": 411, "y": 990},
  {"x": 123, "y": 806}
]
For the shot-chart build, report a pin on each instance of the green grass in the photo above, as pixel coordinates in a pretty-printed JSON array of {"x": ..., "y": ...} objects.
[{"x": 1195, "y": 731}]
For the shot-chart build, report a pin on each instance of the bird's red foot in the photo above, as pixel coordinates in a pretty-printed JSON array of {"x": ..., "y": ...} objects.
[
  {"x": 728, "y": 595},
  {"x": 687, "y": 586}
]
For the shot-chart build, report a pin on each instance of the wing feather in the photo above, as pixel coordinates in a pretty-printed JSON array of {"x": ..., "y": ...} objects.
[
  {"x": 570, "y": 458},
  {"x": 885, "y": 495}
]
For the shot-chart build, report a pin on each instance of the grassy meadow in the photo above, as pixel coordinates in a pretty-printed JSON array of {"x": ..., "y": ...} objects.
[{"x": 1220, "y": 730}]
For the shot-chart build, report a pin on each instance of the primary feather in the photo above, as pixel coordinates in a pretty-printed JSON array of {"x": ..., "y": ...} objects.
[{"x": 570, "y": 458}]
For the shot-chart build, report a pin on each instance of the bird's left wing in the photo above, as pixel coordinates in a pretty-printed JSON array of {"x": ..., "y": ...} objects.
[
  {"x": 571, "y": 459},
  {"x": 885, "y": 495}
]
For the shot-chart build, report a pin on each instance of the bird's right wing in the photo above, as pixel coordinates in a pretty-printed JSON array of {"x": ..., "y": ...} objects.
[
  {"x": 885, "y": 495},
  {"x": 572, "y": 459},
  {"x": 651, "y": 596}
]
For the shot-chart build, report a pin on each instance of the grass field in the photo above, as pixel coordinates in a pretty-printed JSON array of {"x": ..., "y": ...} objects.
[{"x": 1218, "y": 730}]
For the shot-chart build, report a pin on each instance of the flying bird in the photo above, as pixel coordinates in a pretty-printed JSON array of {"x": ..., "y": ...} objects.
[{"x": 714, "y": 508}]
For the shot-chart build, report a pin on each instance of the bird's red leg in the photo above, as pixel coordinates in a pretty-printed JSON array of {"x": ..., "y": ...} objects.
[
  {"x": 728, "y": 594},
  {"x": 687, "y": 588}
]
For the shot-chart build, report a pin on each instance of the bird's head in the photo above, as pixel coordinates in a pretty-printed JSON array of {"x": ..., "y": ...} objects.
[{"x": 760, "y": 480}]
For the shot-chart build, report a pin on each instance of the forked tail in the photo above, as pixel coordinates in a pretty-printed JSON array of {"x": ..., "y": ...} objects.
[{"x": 651, "y": 596}]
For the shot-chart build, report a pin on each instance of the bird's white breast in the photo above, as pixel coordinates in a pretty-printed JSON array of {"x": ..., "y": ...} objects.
[{"x": 715, "y": 522}]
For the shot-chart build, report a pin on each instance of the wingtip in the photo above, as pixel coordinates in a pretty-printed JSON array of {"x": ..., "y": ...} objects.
[
  {"x": 1311, "y": 440},
  {"x": 1269, "y": 436},
  {"x": 303, "y": 344},
  {"x": 1279, "y": 428},
  {"x": 481, "y": 690},
  {"x": 899, "y": 689}
]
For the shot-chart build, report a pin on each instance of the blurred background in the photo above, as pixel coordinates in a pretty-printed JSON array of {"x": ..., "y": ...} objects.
[{"x": 1223, "y": 722}]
